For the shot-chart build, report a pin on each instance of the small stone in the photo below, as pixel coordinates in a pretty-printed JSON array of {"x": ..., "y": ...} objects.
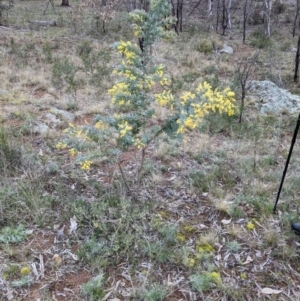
[
  {"x": 226, "y": 49},
  {"x": 64, "y": 114}
]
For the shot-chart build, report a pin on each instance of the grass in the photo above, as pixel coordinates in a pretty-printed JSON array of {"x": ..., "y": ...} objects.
[{"x": 165, "y": 243}]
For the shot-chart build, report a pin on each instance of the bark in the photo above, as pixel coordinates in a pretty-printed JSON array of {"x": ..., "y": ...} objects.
[
  {"x": 65, "y": 3},
  {"x": 267, "y": 17},
  {"x": 246, "y": 12},
  {"x": 296, "y": 17},
  {"x": 177, "y": 12},
  {"x": 228, "y": 13},
  {"x": 209, "y": 8},
  {"x": 296, "y": 75},
  {"x": 218, "y": 15}
]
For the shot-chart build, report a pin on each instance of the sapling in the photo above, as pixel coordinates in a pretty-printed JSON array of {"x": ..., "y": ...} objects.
[{"x": 134, "y": 124}]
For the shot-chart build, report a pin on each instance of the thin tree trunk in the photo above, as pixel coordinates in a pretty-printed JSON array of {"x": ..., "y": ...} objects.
[
  {"x": 209, "y": 8},
  {"x": 228, "y": 13},
  {"x": 296, "y": 17},
  {"x": 267, "y": 17},
  {"x": 296, "y": 75},
  {"x": 218, "y": 15},
  {"x": 246, "y": 12}
]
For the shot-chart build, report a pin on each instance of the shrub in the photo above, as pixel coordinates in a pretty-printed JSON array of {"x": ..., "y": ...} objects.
[{"x": 205, "y": 46}]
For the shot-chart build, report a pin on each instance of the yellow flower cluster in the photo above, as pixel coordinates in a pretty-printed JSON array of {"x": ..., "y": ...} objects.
[
  {"x": 117, "y": 89},
  {"x": 124, "y": 128},
  {"x": 100, "y": 125},
  {"x": 186, "y": 97},
  {"x": 165, "y": 81},
  {"x": 25, "y": 271},
  {"x": 216, "y": 278},
  {"x": 126, "y": 48},
  {"x": 180, "y": 237},
  {"x": 160, "y": 70},
  {"x": 165, "y": 98},
  {"x": 205, "y": 248},
  {"x": 138, "y": 143},
  {"x": 85, "y": 165},
  {"x": 72, "y": 152},
  {"x": 138, "y": 19},
  {"x": 61, "y": 145},
  {"x": 250, "y": 226},
  {"x": 196, "y": 105}
]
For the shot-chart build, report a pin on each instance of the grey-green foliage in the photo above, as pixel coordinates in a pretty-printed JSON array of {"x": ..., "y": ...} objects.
[
  {"x": 233, "y": 246},
  {"x": 201, "y": 282},
  {"x": 158, "y": 14},
  {"x": 12, "y": 235},
  {"x": 24, "y": 281},
  {"x": 155, "y": 293},
  {"x": 94, "y": 289}
]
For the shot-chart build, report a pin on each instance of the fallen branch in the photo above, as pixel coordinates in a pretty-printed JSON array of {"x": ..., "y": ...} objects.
[{"x": 43, "y": 23}]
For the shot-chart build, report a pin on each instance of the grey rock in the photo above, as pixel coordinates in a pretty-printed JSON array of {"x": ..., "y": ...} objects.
[
  {"x": 51, "y": 118},
  {"x": 293, "y": 49},
  {"x": 226, "y": 49},
  {"x": 269, "y": 98},
  {"x": 62, "y": 113},
  {"x": 41, "y": 129}
]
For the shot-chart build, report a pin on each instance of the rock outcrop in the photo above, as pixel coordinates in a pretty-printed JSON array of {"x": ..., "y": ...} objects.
[{"x": 269, "y": 98}]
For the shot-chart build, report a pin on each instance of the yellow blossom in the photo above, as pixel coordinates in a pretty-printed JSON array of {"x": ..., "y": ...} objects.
[
  {"x": 138, "y": 143},
  {"x": 61, "y": 145},
  {"x": 72, "y": 152},
  {"x": 190, "y": 123},
  {"x": 25, "y": 271},
  {"x": 187, "y": 96},
  {"x": 180, "y": 237},
  {"x": 165, "y": 81},
  {"x": 190, "y": 262},
  {"x": 124, "y": 127},
  {"x": 160, "y": 70},
  {"x": 205, "y": 248},
  {"x": 250, "y": 226},
  {"x": 216, "y": 278},
  {"x": 100, "y": 125},
  {"x": 85, "y": 165},
  {"x": 164, "y": 98}
]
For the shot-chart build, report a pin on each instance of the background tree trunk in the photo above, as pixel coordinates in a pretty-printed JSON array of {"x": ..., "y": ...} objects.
[
  {"x": 209, "y": 8},
  {"x": 65, "y": 3},
  {"x": 177, "y": 12},
  {"x": 267, "y": 17},
  {"x": 246, "y": 13}
]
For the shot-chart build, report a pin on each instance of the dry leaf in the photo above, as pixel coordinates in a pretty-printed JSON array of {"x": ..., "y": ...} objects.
[
  {"x": 57, "y": 260},
  {"x": 226, "y": 221},
  {"x": 73, "y": 224},
  {"x": 201, "y": 226},
  {"x": 269, "y": 291},
  {"x": 248, "y": 260}
]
